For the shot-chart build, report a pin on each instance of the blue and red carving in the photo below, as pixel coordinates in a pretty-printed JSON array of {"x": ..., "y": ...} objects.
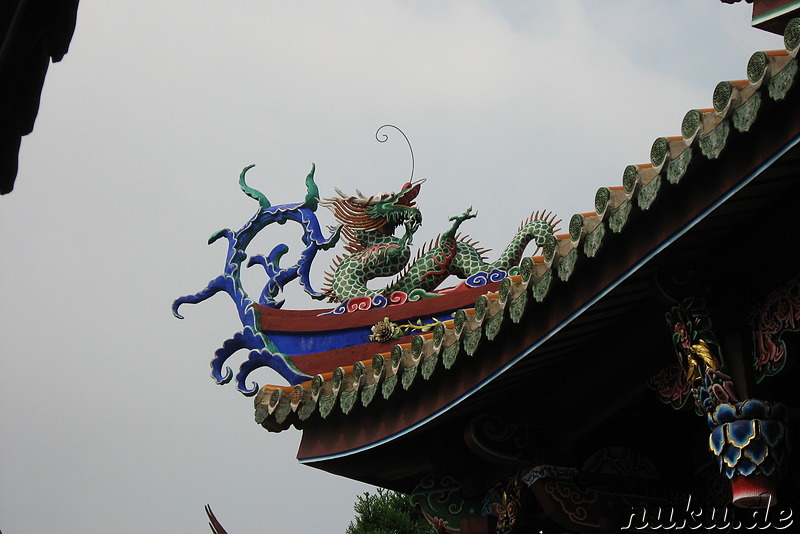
[{"x": 263, "y": 351}]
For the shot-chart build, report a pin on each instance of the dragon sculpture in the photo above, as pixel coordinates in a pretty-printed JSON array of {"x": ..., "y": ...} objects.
[{"x": 368, "y": 227}]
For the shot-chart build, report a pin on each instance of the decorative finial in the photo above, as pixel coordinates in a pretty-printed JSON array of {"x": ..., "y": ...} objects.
[{"x": 382, "y": 138}]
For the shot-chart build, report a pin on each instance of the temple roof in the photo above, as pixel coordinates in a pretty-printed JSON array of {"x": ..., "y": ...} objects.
[{"x": 582, "y": 280}]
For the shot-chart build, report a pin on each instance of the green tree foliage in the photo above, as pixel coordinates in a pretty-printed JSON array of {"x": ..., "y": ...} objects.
[{"x": 387, "y": 512}]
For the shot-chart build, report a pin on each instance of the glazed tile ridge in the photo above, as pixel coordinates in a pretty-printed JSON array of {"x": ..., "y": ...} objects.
[{"x": 705, "y": 133}]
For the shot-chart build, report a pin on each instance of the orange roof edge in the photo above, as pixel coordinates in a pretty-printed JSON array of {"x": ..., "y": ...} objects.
[{"x": 286, "y": 389}]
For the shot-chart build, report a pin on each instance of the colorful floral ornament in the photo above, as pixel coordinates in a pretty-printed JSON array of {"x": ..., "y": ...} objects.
[
  {"x": 748, "y": 440},
  {"x": 384, "y": 331},
  {"x": 747, "y": 437},
  {"x": 778, "y": 314}
]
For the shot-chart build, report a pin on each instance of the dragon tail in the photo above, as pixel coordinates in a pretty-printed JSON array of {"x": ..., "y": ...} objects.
[{"x": 536, "y": 228}]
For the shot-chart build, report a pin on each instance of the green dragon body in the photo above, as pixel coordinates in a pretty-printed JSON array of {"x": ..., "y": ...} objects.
[{"x": 368, "y": 226}]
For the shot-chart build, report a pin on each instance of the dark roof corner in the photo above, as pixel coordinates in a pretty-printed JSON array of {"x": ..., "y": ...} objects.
[
  {"x": 32, "y": 33},
  {"x": 771, "y": 15}
]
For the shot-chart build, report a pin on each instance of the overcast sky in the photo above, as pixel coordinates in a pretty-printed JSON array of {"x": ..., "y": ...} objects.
[{"x": 109, "y": 419}]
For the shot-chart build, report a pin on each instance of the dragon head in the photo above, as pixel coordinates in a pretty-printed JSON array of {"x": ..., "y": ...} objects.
[
  {"x": 383, "y": 212},
  {"x": 397, "y": 208}
]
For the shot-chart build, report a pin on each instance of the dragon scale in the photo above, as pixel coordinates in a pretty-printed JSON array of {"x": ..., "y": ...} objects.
[{"x": 368, "y": 226}]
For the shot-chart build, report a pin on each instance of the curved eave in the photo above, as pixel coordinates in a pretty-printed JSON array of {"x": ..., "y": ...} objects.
[
  {"x": 431, "y": 401},
  {"x": 350, "y": 410}
]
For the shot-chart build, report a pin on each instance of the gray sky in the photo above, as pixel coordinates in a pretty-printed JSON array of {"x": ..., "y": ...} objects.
[{"x": 109, "y": 420}]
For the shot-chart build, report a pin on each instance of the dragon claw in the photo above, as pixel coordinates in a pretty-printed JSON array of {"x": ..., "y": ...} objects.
[{"x": 458, "y": 219}]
